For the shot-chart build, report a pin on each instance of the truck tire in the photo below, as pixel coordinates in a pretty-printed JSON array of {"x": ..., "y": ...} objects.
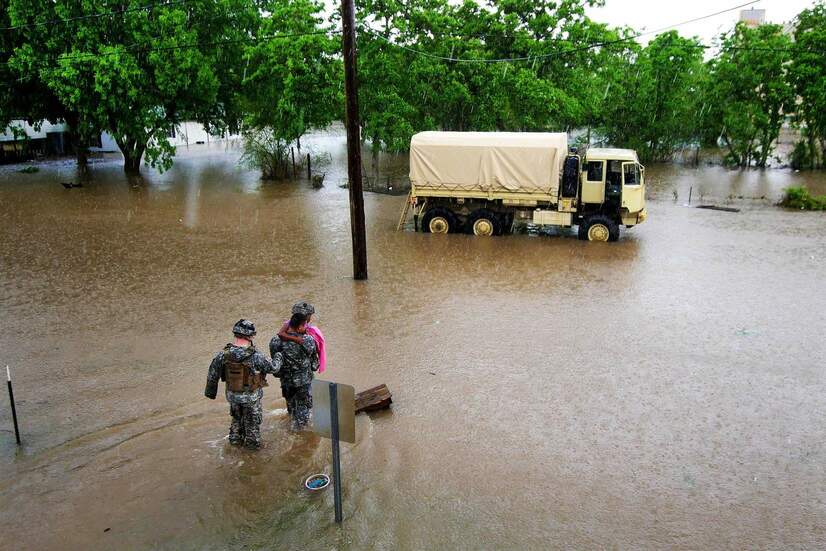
[
  {"x": 483, "y": 222},
  {"x": 439, "y": 220},
  {"x": 598, "y": 228}
]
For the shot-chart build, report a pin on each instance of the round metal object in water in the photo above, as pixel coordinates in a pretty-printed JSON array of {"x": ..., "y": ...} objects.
[{"x": 317, "y": 482}]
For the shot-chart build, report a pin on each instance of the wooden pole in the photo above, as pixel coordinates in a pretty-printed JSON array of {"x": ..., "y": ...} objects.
[
  {"x": 13, "y": 410},
  {"x": 309, "y": 171},
  {"x": 348, "y": 46},
  {"x": 292, "y": 153}
]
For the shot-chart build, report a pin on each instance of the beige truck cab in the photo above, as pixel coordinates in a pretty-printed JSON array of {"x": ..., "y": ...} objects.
[
  {"x": 613, "y": 181},
  {"x": 488, "y": 183}
]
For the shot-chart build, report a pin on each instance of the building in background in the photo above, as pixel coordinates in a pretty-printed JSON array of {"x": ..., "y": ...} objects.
[
  {"x": 22, "y": 142},
  {"x": 753, "y": 18}
]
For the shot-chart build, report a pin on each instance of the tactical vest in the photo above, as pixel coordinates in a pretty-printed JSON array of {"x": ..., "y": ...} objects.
[{"x": 240, "y": 376}]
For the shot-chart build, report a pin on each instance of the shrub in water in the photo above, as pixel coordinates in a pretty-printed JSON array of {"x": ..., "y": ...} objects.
[{"x": 799, "y": 198}]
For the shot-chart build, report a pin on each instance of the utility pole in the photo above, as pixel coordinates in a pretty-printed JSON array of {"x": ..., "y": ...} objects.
[{"x": 348, "y": 45}]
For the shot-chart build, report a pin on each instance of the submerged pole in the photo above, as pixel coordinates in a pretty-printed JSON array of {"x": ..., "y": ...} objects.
[
  {"x": 336, "y": 454},
  {"x": 348, "y": 46},
  {"x": 13, "y": 410}
]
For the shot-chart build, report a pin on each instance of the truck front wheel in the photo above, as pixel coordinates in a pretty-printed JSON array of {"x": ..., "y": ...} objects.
[
  {"x": 439, "y": 220},
  {"x": 598, "y": 228},
  {"x": 483, "y": 222}
]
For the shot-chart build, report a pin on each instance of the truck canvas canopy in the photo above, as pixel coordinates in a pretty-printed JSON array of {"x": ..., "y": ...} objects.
[{"x": 488, "y": 162}]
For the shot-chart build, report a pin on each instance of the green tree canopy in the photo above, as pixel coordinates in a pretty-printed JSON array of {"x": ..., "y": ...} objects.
[
  {"x": 808, "y": 76},
  {"x": 749, "y": 92},
  {"x": 141, "y": 69},
  {"x": 654, "y": 104}
]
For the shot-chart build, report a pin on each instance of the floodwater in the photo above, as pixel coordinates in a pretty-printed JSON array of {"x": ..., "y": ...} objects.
[{"x": 662, "y": 392}]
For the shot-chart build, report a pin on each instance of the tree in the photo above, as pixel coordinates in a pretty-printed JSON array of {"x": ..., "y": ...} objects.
[
  {"x": 414, "y": 77},
  {"x": 292, "y": 84},
  {"x": 808, "y": 76},
  {"x": 138, "y": 70},
  {"x": 23, "y": 95},
  {"x": 749, "y": 92},
  {"x": 655, "y": 102}
]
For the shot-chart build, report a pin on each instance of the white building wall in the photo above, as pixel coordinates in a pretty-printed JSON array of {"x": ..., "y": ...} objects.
[
  {"x": 31, "y": 131},
  {"x": 186, "y": 133}
]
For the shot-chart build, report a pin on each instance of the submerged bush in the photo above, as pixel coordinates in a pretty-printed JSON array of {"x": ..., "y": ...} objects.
[
  {"x": 29, "y": 170},
  {"x": 799, "y": 198}
]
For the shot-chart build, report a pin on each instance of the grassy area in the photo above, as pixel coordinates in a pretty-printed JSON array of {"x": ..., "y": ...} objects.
[
  {"x": 29, "y": 170},
  {"x": 800, "y": 198}
]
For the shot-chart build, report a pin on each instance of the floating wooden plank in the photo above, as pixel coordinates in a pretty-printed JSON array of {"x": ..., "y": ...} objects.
[
  {"x": 715, "y": 207},
  {"x": 373, "y": 399}
]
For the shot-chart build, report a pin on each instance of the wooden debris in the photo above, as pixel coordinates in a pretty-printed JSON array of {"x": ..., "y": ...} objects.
[
  {"x": 373, "y": 399},
  {"x": 715, "y": 207}
]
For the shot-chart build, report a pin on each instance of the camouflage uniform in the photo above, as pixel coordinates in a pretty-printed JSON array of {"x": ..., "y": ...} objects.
[
  {"x": 244, "y": 407},
  {"x": 298, "y": 362}
]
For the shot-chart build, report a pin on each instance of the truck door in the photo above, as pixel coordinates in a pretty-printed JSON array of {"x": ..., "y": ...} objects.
[
  {"x": 633, "y": 188},
  {"x": 593, "y": 182}
]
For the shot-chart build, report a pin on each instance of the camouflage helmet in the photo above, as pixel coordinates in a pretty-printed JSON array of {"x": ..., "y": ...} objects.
[
  {"x": 304, "y": 308},
  {"x": 243, "y": 328}
]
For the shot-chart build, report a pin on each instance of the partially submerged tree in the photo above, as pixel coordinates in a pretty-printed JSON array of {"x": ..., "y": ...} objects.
[
  {"x": 749, "y": 92},
  {"x": 808, "y": 76},
  {"x": 138, "y": 70},
  {"x": 655, "y": 103},
  {"x": 293, "y": 81}
]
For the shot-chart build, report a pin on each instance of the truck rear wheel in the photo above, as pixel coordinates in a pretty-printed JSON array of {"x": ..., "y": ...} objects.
[
  {"x": 484, "y": 223},
  {"x": 598, "y": 228},
  {"x": 439, "y": 220}
]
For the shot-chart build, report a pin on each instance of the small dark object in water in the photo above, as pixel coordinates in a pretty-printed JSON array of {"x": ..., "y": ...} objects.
[
  {"x": 318, "y": 181},
  {"x": 106, "y": 529},
  {"x": 317, "y": 482},
  {"x": 715, "y": 207},
  {"x": 70, "y": 185}
]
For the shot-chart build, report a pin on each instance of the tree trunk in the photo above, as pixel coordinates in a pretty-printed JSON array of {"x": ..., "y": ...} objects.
[
  {"x": 82, "y": 156},
  {"x": 79, "y": 144},
  {"x": 132, "y": 151}
]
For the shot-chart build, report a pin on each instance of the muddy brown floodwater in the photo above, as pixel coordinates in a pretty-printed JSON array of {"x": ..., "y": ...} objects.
[{"x": 663, "y": 392}]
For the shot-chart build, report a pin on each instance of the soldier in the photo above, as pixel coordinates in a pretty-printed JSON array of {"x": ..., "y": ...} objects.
[
  {"x": 245, "y": 370},
  {"x": 299, "y": 361},
  {"x": 308, "y": 310}
]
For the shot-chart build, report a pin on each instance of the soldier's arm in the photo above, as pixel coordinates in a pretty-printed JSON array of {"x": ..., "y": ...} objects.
[
  {"x": 213, "y": 375},
  {"x": 284, "y": 335},
  {"x": 262, "y": 364},
  {"x": 275, "y": 346}
]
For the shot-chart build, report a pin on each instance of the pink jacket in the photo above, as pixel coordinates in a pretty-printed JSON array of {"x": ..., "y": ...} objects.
[{"x": 315, "y": 333}]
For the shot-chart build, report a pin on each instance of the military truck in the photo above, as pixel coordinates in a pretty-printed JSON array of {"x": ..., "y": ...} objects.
[{"x": 487, "y": 183}]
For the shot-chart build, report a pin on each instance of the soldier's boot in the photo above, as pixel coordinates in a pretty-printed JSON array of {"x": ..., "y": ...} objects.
[{"x": 236, "y": 428}]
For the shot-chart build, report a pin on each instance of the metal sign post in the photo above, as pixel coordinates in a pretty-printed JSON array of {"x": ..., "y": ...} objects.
[
  {"x": 334, "y": 417},
  {"x": 336, "y": 456},
  {"x": 13, "y": 410}
]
